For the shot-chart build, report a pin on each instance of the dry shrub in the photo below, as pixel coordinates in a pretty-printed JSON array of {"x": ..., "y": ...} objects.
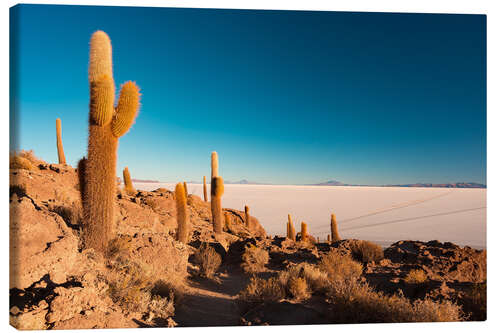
[
  {"x": 356, "y": 302},
  {"x": 19, "y": 162},
  {"x": 365, "y": 251},
  {"x": 340, "y": 266},
  {"x": 129, "y": 284},
  {"x": 30, "y": 156},
  {"x": 119, "y": 246},
  {"x": 263, "y": 290},
  {"x": 72, "y": 214},
  {"x": 254, "y": 259},
  {"x": 316, "y": 280},
  {"x": 298, "y": 288},
  {"x": 416, "y": 276},
  {"x": 159, "y": 308},
  {"x": 208, "y": 260}
]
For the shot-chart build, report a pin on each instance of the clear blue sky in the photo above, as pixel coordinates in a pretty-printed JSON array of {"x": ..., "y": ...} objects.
[{"x": 287, "y": 97}]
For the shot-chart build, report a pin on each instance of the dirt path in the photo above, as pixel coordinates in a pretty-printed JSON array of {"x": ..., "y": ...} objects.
[{"x": 207, "y": 303}]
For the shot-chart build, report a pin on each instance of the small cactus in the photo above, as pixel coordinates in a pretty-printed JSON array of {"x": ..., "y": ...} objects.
[
  {"x": 216, "y": 192},
  {"x": 303, "y": 232},
  {"x": 106, "y": 125},
  {"x": 60, "y": 149},
  {"x": 127, "y": 181},
  {"x": 186, "y": 189},
  {"x": 205, "y": 189},
  {"x": 334, "y": 229},
  {"x": 329, "y": 239},
  {"x": 247, "y": 217},
  {"x": 182, "y": 214}
]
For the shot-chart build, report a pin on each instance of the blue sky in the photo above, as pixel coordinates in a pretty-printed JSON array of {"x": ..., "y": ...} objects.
[{"x": 286, "y": 97}]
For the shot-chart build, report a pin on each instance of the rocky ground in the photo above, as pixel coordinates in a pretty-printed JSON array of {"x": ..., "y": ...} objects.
[{"x": 149, "y": 279}]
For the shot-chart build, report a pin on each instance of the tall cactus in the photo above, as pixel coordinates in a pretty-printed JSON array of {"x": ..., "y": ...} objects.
[
  {"x": 291, "y": 228},
  {"x": 107, "y": 124},
  {"x": 127, "y": 181},
  {"x": 186, "y": 189},
  {"x": 303, "y": 232},
  {"x": 334, "y": 229},
  {"x": 60, "y": 149},
  {"x": 216, "y": 192},
  {"x": 182, "y": 214},
  {"x": 247, "y": 217},
  {"x": 205, "y": 188}
]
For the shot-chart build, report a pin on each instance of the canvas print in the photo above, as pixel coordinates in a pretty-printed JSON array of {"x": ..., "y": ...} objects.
[{"x": 174, "y": 167}]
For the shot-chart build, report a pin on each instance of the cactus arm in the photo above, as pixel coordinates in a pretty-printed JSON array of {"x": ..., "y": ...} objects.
[
  {"x": 60, "y": 149},
  {"x": 126, "y": 110}
]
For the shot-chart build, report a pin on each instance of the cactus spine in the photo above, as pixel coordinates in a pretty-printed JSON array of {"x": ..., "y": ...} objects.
[
  {"x": 127, "y": 181},
  {"x": 216, "y": 192},
  {"x": 182, "y": 214},
  {"x": 205, "y": 189},
  {"x": 247, "y": 217},
  {"x": 106, "y": 125},
  {"x": 303, "y": 232},
  {"x": 186, "y": 189},
  {"x": 81, "y": 177},
  {"x": 334, "y": 229},
  {"x": 60, "y": 149}
]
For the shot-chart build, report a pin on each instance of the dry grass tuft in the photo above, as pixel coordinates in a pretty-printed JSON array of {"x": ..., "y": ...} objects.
[
  {"x": 30, "y": 156},
  {"x": 208, "y": 260},
  {"x": 19, "y": 162},
  {"x": 254, "y": 259},
  {"x": 356, "y": 302},
  {"x": 416, "y": 276},
  {"x": 316, "y": 280},
  {"x": 298, "y": 288},
  {"x": 340, "y": 266},
  {"x": 263, "y": 290},
  {"x": 365, "y": 251}
]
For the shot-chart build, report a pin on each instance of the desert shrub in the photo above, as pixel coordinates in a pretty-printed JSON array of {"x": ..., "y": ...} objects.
[
  {"x": 416, "y": 276},
  {"x": 30, "y": 156},
  {"x": 474, "y": 302},
  {"x": 365, "y": 251},
  {"x": 71, "y": 214},
  {"x": 208, "y": 260},
  {"x": 340, "y": 266},
  {"x": 356, "y": 302},
  {"x": 254, "y": 259},
  {"x": 129, "y": 284},
  {"x": 316, "y": 280},
  {"x": 298, "y": 288},
  {"x": 263, "y": 290},
  {"x": 173, "y": 289},
  {"x": 19, "y": 162},
  {"x": 159, "y": 308},
  {"x": 119, "y": 246}
]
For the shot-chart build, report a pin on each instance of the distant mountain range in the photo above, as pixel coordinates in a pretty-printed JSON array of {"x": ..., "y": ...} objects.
[
  {"x": 448, "y": 185},
  {"x": 336, "y": 183}
]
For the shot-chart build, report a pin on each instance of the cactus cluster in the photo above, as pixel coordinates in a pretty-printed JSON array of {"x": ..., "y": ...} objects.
[
  {"x": 216, "y": 192},
  {"x": 127, "y": 181},
  {"x": 60, "y": 149},
  {"x": 107, "y": 124},
  {"x": 182, "y": 213}
]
